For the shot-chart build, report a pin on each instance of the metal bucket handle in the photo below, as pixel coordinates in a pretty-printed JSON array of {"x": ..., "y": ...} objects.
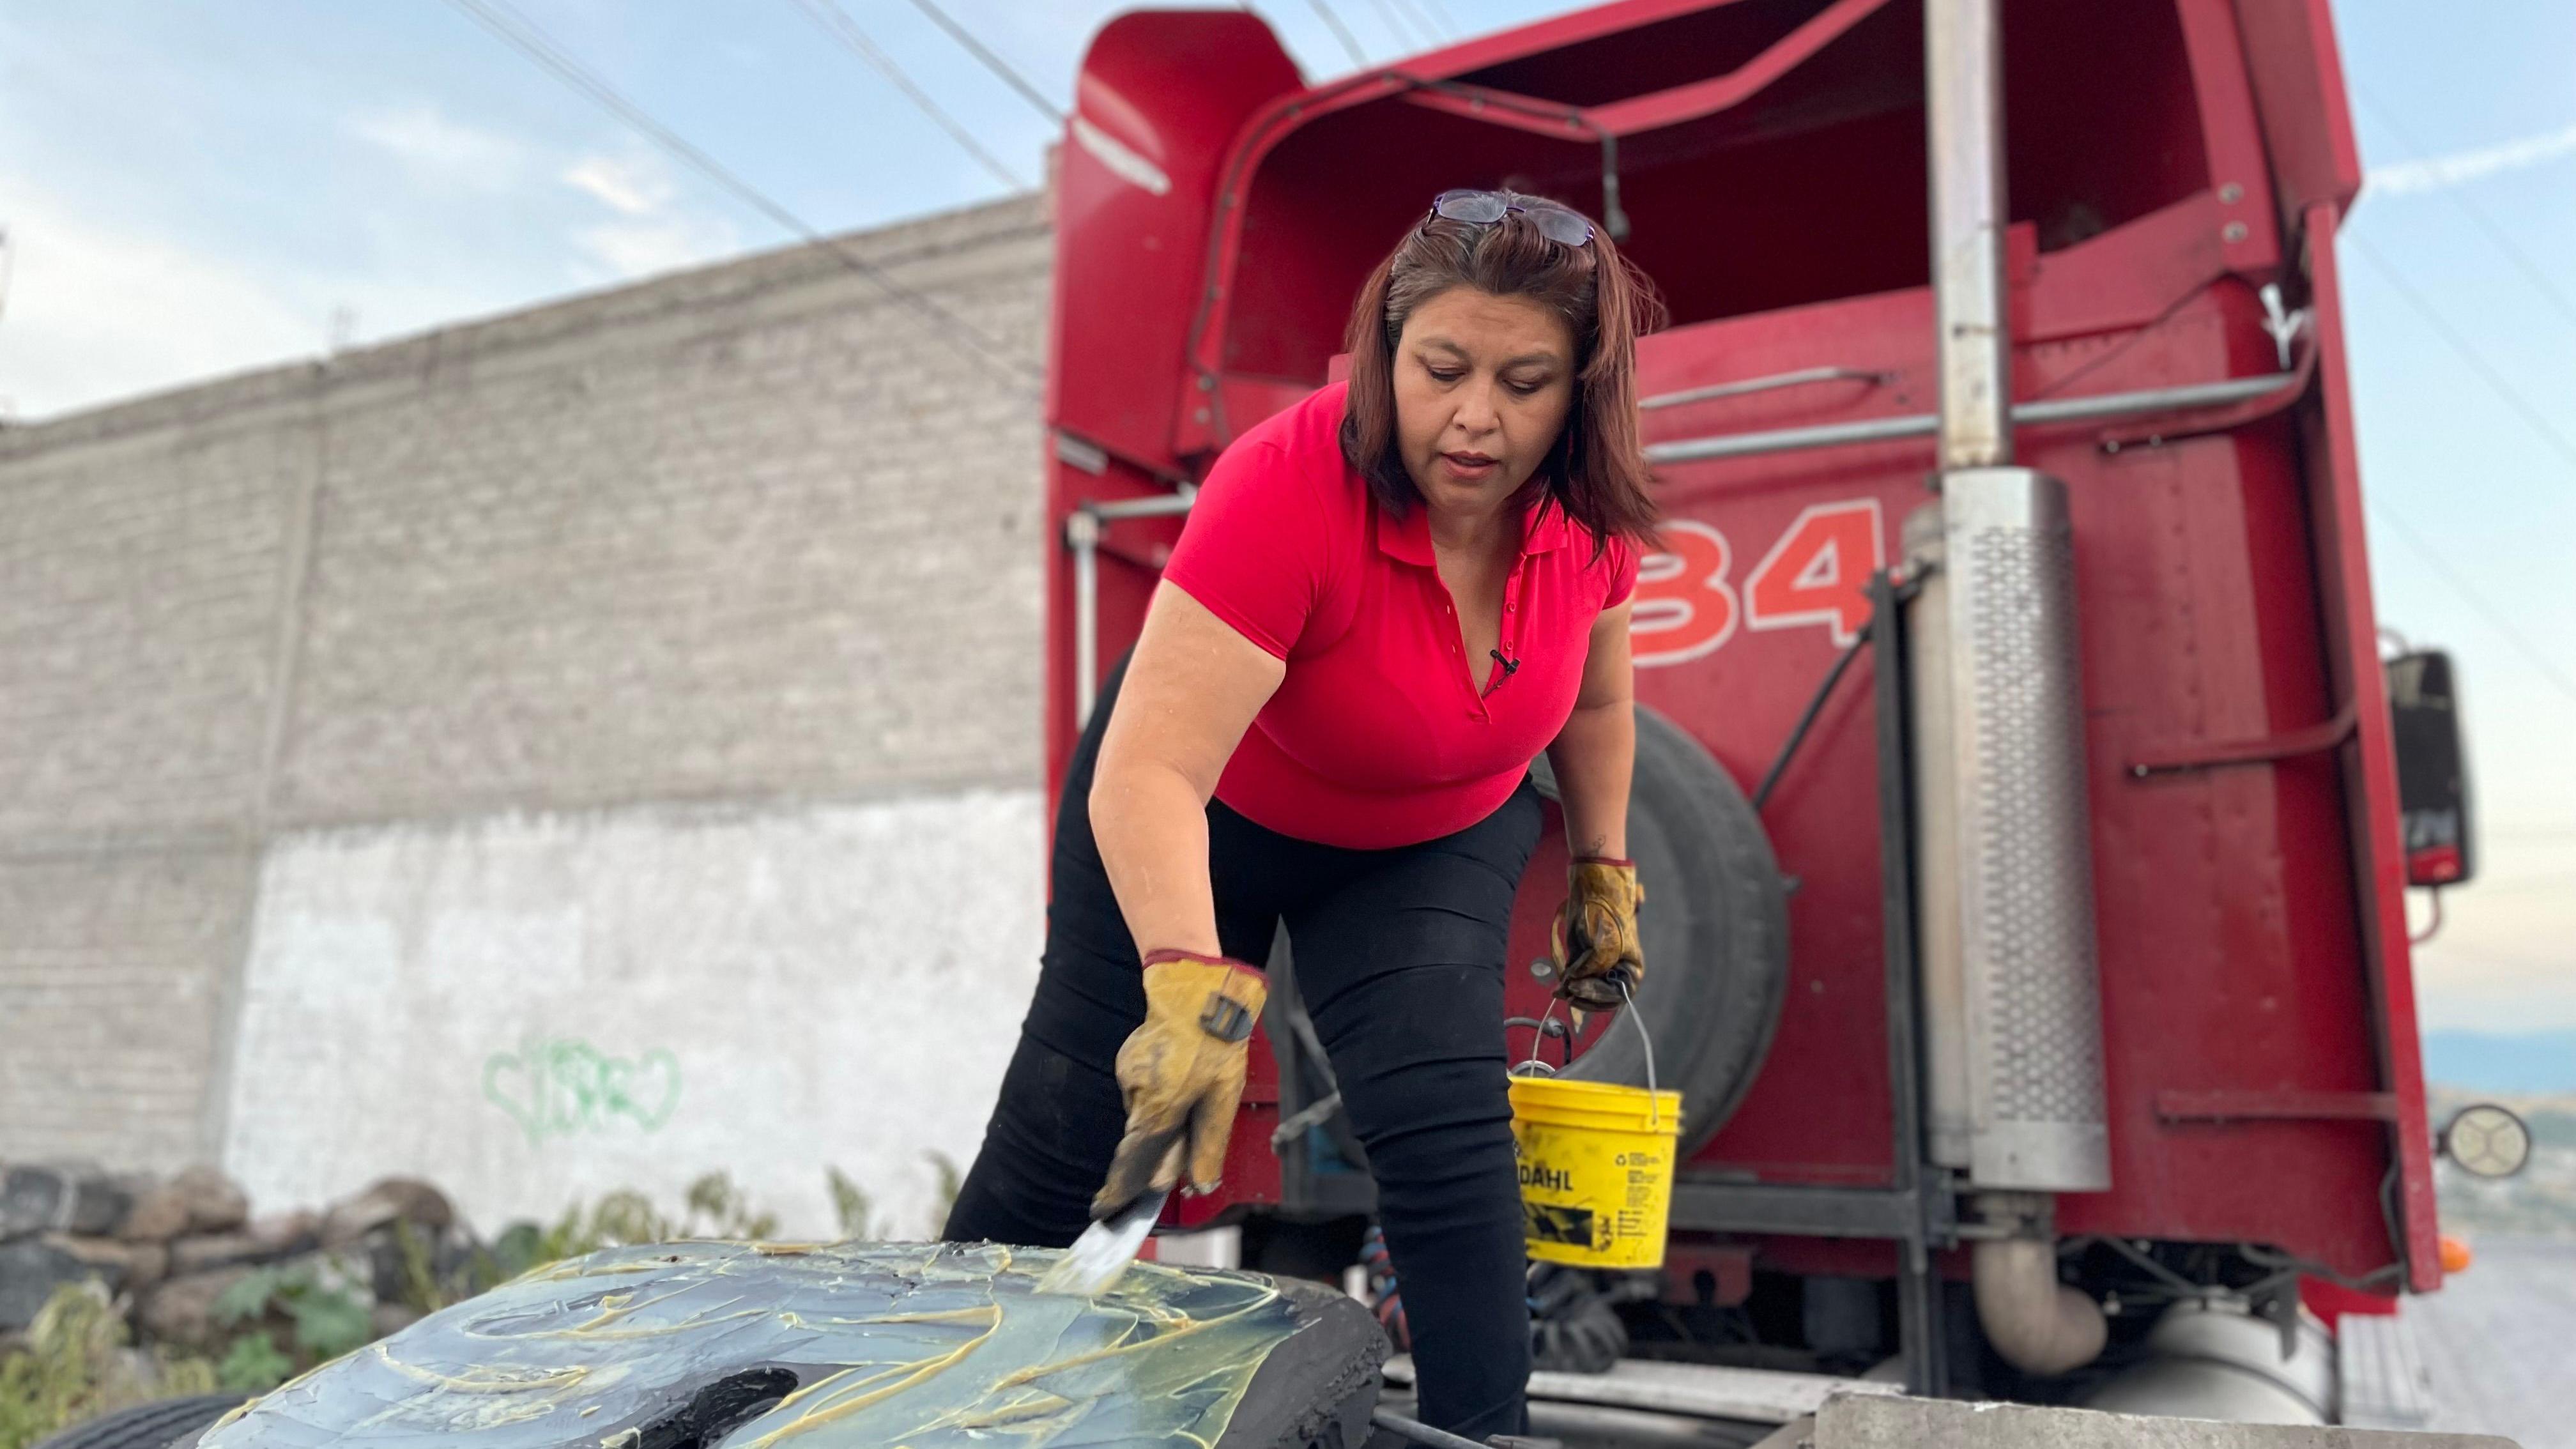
[{"x": 1538, "y": 1039}]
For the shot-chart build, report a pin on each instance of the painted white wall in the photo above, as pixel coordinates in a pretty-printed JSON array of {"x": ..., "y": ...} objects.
[{"x": 529, "y": 1010}]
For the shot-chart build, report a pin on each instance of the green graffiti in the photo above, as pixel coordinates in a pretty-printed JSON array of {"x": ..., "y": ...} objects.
[{"x": 562, "y": 1086}]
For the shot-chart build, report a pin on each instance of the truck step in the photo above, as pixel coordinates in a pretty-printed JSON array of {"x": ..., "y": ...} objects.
[
  {"x": 2384, "y": 1382},
  {"x": 1708, "y": 1391},
  {"x": 1881, "y": 1422}
]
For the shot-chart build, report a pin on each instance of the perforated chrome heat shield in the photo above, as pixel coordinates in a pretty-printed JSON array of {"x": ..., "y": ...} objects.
[{"x": 2024, "y": 860}]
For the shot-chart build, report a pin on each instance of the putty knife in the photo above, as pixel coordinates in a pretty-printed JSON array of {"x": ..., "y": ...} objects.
[{"x": 1093, "y": 1264}]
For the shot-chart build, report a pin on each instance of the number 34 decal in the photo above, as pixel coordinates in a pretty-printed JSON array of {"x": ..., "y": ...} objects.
[{"x": 1816, "y": 573}]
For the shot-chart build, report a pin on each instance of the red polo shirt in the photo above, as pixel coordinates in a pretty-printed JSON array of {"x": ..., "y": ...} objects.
[{"x": 1383, "y": 733}]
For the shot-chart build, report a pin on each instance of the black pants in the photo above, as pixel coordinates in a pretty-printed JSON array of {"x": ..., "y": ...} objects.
[{"x": 1400, "y": 957}]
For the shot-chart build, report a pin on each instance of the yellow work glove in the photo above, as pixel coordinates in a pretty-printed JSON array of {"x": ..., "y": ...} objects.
[
  {"x": 1182, "y": 1074},
  {"x": 1595, "y": 939}
]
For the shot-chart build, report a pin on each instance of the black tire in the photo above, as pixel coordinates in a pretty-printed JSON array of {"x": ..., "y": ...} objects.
[
  {"x": 1715, "y": 928},
  {"x": 157, "y": 1425},
  {"x": 1315, "y": 1390}
]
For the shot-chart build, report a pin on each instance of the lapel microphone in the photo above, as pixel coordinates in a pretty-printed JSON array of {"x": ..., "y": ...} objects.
[{"x": 1510, "y": 666}]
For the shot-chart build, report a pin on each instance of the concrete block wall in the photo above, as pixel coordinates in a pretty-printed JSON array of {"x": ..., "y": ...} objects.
[
  {"x": 111, "y": 968},
  {"x": 142, "y": 585},
  {"x": 311, "y": 655}
]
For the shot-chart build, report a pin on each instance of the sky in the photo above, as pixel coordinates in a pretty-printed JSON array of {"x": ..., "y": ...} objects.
[{"x": 195, "y": 187}]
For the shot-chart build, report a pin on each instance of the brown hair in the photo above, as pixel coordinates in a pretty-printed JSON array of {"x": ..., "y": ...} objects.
[{"x": 1596, "y": 472}]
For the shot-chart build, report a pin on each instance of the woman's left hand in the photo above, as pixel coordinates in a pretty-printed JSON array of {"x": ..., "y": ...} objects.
[{"x": 1599, "y": 963}]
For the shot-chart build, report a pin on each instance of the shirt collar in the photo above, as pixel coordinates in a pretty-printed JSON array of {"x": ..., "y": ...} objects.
[
  {"x": 1544, "y": 528},
  {"x": 1408, "y": 539}
]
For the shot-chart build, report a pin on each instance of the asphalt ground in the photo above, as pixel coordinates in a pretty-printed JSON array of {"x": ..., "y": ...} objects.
[{"x": 2499, "y": 1344}]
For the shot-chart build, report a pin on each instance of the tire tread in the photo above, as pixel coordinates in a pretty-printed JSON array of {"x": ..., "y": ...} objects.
[{"x": 157, "y": 1425}]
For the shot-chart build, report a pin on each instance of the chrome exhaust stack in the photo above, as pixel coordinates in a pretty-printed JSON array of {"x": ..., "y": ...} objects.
[
  {"x": 2019, "y": 868},
  {"x": 2011, "y": 1008}
]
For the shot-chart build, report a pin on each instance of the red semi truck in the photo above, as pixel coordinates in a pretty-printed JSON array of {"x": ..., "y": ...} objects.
[{"x": 2018, "y": 793}]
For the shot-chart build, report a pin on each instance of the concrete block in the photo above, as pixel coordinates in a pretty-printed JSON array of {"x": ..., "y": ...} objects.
[
  {"x": 68, "y": 1198},
  {"x": 181, "y": 1311},
  {"x": 198, "y": 1253},
  {"x": 32, "y": 1268},
  {"x": 214, "y": 1202}
]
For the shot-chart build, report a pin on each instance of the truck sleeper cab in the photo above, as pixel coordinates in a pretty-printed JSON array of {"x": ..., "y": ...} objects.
[{"x": 2174, "y": 172}]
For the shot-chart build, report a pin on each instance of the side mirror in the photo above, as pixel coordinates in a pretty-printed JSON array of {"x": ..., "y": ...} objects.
[
  {"x": 2486, "y": 1141},
  {"x": 2432, "y": 769}
]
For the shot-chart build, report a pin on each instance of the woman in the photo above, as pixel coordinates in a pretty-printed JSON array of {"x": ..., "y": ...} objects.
[{"x": 1388, "y": 600}]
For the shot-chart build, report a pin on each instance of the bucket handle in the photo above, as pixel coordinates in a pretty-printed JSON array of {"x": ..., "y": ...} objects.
[
  {"x": 1537, "y": 1066},
  {"x": 1645, "y": 1038}
]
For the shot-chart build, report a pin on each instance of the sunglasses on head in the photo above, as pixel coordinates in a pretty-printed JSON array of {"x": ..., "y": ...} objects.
[{"x": 1483, "y": 208}]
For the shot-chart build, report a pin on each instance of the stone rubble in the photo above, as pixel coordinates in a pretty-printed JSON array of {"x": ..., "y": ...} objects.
[{"x": 166, "y": 1248}]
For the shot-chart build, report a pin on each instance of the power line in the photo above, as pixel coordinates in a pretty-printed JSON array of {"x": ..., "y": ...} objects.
[
  {"x": 1448, "y": 21},
  {"x": 1340, "y": 31},
  {"x": 2502, "y": 622},
  {"x": 1422, "y": 19},
  {"x": 2494, "y": 379},
  {"x": 1403, "y": 33},
  {"x": 992, "y": 62},
  {"x": 522, "y": 35},
  {"x": 836, "y": 23},
  {"x": 2503, "y": 240}
]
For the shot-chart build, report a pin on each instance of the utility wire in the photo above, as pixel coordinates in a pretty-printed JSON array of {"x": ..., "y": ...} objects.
[
  {"x": 2503, "y": 239},
  {"x": 522, "y": 35},
  {"x": 2539, "y": 421},
  {"x": 1422, "y": 20},
  {"x": 2502, "y": 621},
  {"x": 1447, "y": 21},
  {"x": 1341, "y": 32},
  {"x": 1395, "y": 25},
  {"x": 992, "y": 62},
  {"x": 837, "y": 23}
]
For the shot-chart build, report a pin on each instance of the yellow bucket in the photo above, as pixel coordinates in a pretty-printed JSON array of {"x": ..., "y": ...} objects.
[{"x": 1596, "y": 1162}]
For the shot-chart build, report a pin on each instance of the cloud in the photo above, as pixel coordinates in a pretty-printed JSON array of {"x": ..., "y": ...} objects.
[
  {"x": 637, "y": 249},
  {"x": 652, "y": 234},
  {"x": 102, "y": 309},
  {"x": 438, "y": 149},
  {"x": 636, "y": 186},
  {"x": 2435, "y": 173},
  {"x": 96, "y": 313}
]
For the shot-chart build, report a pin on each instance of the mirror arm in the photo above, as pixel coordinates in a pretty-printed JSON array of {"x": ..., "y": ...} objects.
[{"x": 2432, "y": 927}]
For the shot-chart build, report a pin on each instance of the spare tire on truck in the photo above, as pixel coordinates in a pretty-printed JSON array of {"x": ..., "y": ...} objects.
[{"x": 1715, "y": 928}]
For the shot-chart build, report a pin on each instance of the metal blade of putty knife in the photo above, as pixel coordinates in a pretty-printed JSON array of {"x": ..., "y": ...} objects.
[{"x": 1093, "y": 1264}]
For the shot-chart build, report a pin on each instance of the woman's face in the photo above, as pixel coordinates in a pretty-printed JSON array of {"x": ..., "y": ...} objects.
[{"x": 1482, "y": 387}]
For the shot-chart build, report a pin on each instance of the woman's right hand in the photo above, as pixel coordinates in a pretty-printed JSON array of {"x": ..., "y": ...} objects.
[{"x": 1182, "y": 1074}]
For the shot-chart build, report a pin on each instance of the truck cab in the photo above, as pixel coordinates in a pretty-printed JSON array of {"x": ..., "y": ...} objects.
[{"x": 2039, "y": 989}]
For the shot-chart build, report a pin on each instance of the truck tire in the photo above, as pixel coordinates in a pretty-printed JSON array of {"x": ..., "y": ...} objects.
[
  {"x": 157, "y": 1425},
  {"x": 1715, "y": 927}
]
